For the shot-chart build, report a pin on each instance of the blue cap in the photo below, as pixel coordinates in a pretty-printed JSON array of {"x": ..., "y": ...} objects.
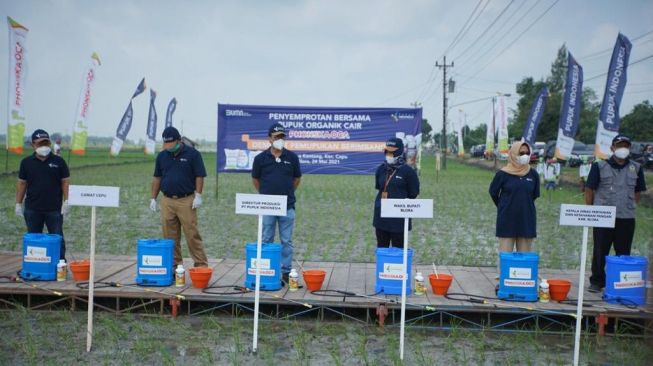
[
  {"x": 40, "y": 135},
  {"x": 276, "y": 129},
  {"x": 171, "y": 134},
  {"x": 396, "y": 143}
]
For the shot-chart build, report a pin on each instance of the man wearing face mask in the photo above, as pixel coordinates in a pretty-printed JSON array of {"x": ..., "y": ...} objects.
[
  {"x": 277, "y": 171},
  {"x": 618, "y": 182},
  {"x": 514, "y": 190},
  {"x": 179, "y": 174},
  {"x": 393, "y": 179},
  {"x": 44, "y": 177}
]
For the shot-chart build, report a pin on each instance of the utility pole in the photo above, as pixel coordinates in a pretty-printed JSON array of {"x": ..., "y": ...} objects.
[{"x": 444, "y": 67}]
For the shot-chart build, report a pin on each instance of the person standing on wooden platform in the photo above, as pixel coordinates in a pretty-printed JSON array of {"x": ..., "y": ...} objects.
[
  {"x": 43, "y": 180},
  {"x": 618, "y": 182},
  {"x": 277, "y": 171},
  {"x": 179, "y": 174},
  {"x": 514, "y": 190},
  {"x": 393, "y": 179}
]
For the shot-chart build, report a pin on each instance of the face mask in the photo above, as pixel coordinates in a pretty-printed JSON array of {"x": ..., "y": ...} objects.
[
  {"x": 622, "y": 152},
  {"x": 390, "y": 159},
  {"x": 278, "y": 144},
  {"x": 43, "y": 150},
  {"x": 523, "y": 159},
  {"x": 174, "y": 149}
]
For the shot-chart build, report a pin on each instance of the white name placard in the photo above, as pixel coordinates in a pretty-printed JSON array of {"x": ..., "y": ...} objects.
[
  {"x": 261, "y": 204},
  {"x": 417, "y": 208},
  {"x": 587, "y": 215},
  {"x": 98, "y": 196}
]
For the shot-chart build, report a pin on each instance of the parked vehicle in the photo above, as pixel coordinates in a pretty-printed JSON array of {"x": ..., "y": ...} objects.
[{"x": 579, "y": 153}]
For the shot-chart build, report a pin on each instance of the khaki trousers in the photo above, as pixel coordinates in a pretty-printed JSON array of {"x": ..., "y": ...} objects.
[
  {"x": 177, "y": 215},
  {"x": 509, "y": 245}
]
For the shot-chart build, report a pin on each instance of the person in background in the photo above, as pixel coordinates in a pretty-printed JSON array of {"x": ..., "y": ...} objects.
[
  {"x": 618, "y": 182},
  {"x": 277, "y": 171},
  {"x": 179, "y": 174},
  {"x": 393, "y": 179},
  {"x": 541, "y": 166},
  {"x": 57, "y": 147},
  {"x": 43, "y": 181},
  {"x": 551, "y": 176},
  {"x": 584, "y": 171},
  {"x": 514, "y": 190}
]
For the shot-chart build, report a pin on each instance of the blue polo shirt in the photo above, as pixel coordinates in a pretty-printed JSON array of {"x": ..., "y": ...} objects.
[
  {"x": 276, "y": 177},
  {"x": 402, "y": 182},
  {"x": 178, "y": 171},
  {"x": 44, "y": 192}
]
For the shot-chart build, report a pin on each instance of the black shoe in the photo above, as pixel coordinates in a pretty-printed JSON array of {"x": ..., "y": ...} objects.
[{"x": 594, "y": 288}]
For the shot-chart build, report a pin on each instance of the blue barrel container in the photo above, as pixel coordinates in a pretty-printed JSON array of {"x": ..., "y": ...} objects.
[
  {"x": 41, "y": 253},
  {"x": 389, "y": 271},
  {"x": 625, "y": 280},
  {"x": 154, "y": 262},
  {"x": 270, "y": 266},
  {"x": 518, "y": 277}
]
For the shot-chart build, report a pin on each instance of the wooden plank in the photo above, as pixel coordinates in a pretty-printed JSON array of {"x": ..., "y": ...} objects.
[{"x": 356, "y": 282}]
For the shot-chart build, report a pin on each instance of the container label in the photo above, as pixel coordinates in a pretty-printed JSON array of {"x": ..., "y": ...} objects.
[
  {"x": 265, "y": 263},
  {"x": 152, "y": 260},
  {"x": 153, "y": 271},
  {"x": 518, "y": 272},
  {"x": 36, "y": 255},
  {"x": 392, "y": 271},
  {"x": 630, "y": 279},
  {"x": 519, "y": 283},
  {"x": 264, "y": 272}
]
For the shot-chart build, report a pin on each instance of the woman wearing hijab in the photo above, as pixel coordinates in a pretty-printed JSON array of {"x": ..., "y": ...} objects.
[
  {"x": 514, "y": 190},
  {"x": 394, "y": 179}
]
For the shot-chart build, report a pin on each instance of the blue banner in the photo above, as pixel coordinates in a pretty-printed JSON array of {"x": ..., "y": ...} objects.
[
  {"x": 571, "y": 105},
  {"x": 327, "y": 140},
  {"x": 125, "y": 122},
  {"x": 609, "y": 119},
  {"x": 171, "y": 109},
  {"x": 534, "y": 116},
  {"x": 152, "y": 118}
]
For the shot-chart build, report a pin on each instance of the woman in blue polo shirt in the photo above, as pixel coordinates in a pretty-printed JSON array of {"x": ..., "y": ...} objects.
[
  {"x": 514, "y": 190},
  {"x": 394, "y": 179}
]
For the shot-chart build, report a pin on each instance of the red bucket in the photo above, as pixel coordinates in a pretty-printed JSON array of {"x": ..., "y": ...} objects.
[{"x": 200, "y": 276}]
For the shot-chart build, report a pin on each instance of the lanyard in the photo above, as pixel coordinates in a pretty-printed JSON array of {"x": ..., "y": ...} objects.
[{"x": 387, "y": 181}]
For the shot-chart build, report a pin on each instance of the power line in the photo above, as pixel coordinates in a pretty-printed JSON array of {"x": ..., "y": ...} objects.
[
  {"x": 597, "y": 53},
  {"x": 463, "y": 31},
  {"x": 492, "y": 37},
  {"x": 486, "y": 30},
  {"x": 515, "y": 40},
  {"x": 631, "y": 64},
  {"x": 491, "y": 48}
]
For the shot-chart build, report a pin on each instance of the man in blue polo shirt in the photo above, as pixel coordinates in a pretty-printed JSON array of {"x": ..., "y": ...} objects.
[
  {"x": 618, "y": 182},
  {"x": 43, "y": 181},
  {"x": 277, "y": 171},
  {"x": 179, "y": 173}
]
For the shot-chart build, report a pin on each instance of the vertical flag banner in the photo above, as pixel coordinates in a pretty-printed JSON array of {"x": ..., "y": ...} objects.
[
  {"x": 502, "y": 120},
  {"x": 461, "y": 126},
  {"x": 171, "y": 109},
  {"x": 125, "y": 122},
  {"x": 489, "y": 135},
  {"x": 534, "y": 116},
  {"x": 17, "y": 71},
  {"x": 327, "y": 140},
  {"x": 570, "y": 109},
  {"x": 80, "y": 127},
  {"x": 608, "y": 125},
  {"x": 150, "y": 142}
]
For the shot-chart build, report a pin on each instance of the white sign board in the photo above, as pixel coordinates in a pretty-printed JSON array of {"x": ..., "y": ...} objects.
[
  {"x": 261, "y": 204},
  {"x": 98, "y": 196},
  {"x": 405, "y": 208},
  {"x": 587, "y": 215}
]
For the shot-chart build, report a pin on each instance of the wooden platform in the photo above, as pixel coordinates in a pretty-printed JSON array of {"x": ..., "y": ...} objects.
[{"x": 357, "y": 278}]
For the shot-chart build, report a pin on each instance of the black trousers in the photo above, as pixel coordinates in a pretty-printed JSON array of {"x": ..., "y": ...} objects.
[
  {"x": 384, "y": 238},
  {"x": 622, "y": 238}
]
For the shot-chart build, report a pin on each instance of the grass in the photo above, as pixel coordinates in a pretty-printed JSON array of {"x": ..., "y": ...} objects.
[
  {"x": 46, "y": 338},
  {"x": 334, "y": 217}
]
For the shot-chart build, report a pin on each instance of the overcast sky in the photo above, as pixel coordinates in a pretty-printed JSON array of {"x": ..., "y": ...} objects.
[{"x": 307, "y": 53}]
